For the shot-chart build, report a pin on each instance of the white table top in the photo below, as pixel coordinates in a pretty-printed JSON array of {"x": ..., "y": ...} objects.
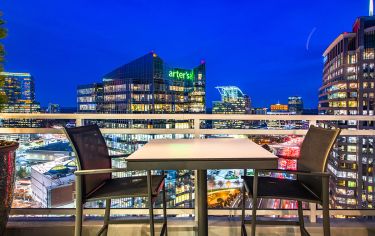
[{"x": 201, "y": 154}]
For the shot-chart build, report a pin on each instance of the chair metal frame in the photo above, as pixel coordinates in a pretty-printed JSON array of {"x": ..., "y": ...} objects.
[
  {"x": 104, "y": 229},
  {"x": 323, "y": 199}
]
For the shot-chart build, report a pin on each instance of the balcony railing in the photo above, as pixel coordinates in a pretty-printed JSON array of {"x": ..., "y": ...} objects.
[{"x": 196, "y": 130}]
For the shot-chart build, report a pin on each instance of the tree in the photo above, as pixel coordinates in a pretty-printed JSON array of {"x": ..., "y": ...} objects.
[
  {"x": 211, "y": 183},
  {"x": 3, "y": 34},
  {"x": 22, "y": 173}
]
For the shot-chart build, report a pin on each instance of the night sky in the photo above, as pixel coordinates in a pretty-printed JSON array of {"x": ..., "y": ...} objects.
[{"x": 259, "y": 46}]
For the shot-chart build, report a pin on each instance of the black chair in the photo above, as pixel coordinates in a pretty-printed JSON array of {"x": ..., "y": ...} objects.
[
  {"x": 311, "y": 183},
  {"x": 94, "y": 178}
]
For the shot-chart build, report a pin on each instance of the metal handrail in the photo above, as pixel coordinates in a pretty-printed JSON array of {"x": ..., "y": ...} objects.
[{"x": 197, "y": 131}]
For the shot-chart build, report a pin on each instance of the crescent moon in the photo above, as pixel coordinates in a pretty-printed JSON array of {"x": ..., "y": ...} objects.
[{"x": 309, "y": 38}]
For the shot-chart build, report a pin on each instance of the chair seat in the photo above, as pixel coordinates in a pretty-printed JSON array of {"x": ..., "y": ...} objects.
[
  {"x": 275, "y": 188},
  {"x": 127, "y": 187}
]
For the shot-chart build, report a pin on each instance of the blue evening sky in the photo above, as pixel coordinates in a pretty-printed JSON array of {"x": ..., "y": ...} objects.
[{"x": 259, "y": 46}]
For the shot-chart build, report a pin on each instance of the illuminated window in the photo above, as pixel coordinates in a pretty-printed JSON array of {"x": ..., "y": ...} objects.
[
  {"x": 352, "y": 59},
  {"x": 138, "y": 107},
  {"x": 353, "y": 104},
  {"x": 352, "y": 148},
  {"x": 368, "y": 53},
  {"x": 350, "y": 69},
  {"x": 350, "y": 192},
  {"x": 351, "y": 175},
  {"x": 352, "y": 201},
  {"x": 370, "y": 189},
  {"x": 340, "y": 191}
]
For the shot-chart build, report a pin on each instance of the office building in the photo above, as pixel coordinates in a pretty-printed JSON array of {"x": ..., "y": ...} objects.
[
  {"x": 19, "y": 89},
  {"x": 295, "y": 105},
  {"x": 52, "y": 183},
  {"x": 348, "y": 88},
  {"x": 146, "y": 85},
  {"x": 90, "y": 98},
  {"x": 233, "y": 101},
  {"x": 278, "y": 108}
]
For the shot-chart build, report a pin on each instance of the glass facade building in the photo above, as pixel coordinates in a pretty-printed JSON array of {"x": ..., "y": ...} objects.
[
  {"x": 90, "y": 98},
  {"x": 233, "y": 101},
  {"x": 19, "y": 89},
  {"x": 147, "y": 85},
  {"x": 348, "y": 89},
  {"x": 295, "y": 105}
]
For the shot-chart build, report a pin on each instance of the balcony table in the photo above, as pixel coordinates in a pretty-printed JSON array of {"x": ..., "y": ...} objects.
[{"x": 200, "y": 155}]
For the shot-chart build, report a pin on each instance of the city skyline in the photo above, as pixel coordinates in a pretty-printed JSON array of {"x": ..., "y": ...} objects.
[{"x": 240, "y": 47}]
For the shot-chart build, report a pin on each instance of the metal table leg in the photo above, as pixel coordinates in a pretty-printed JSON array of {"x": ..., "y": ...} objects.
[{"x": 202, "y": 200}]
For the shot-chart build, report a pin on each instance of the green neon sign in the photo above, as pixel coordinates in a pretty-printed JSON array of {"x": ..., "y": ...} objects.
[{"x": 181, "y": 74}]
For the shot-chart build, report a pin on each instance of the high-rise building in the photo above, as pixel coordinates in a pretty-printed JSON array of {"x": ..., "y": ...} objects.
[
  {"x": 348, "y": 89},
  {"x": 19, "y": 89},
  {"x": 20, "y": 92},
  {"x": 295, "y": 105},
  {"x": 233, "y": 101},
  {"x": 278, "y": 108},
  {"x": 90, "y": 98},
  {"x": 147, "y": 85}
]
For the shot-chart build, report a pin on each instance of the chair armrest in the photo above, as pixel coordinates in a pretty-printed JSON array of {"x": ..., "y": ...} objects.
[
  {"x": 297, "y": 172},
  {"x": 119, "y": 156},
  {"x": 99, "y": 171}
]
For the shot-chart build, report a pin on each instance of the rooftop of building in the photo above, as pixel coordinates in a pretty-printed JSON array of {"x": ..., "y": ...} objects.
[
  {"x": 58, "y": 146},
  {"x": 59, "y": 171}
]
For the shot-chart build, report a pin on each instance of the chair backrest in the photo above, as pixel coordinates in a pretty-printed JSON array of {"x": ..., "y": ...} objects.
[
  {"x": 92, "y": 153},
  {"x": 316, "y": 148}
]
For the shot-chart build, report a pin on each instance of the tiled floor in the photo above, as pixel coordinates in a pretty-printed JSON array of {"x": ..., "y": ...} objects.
[{"x": 181, "y": 228}]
